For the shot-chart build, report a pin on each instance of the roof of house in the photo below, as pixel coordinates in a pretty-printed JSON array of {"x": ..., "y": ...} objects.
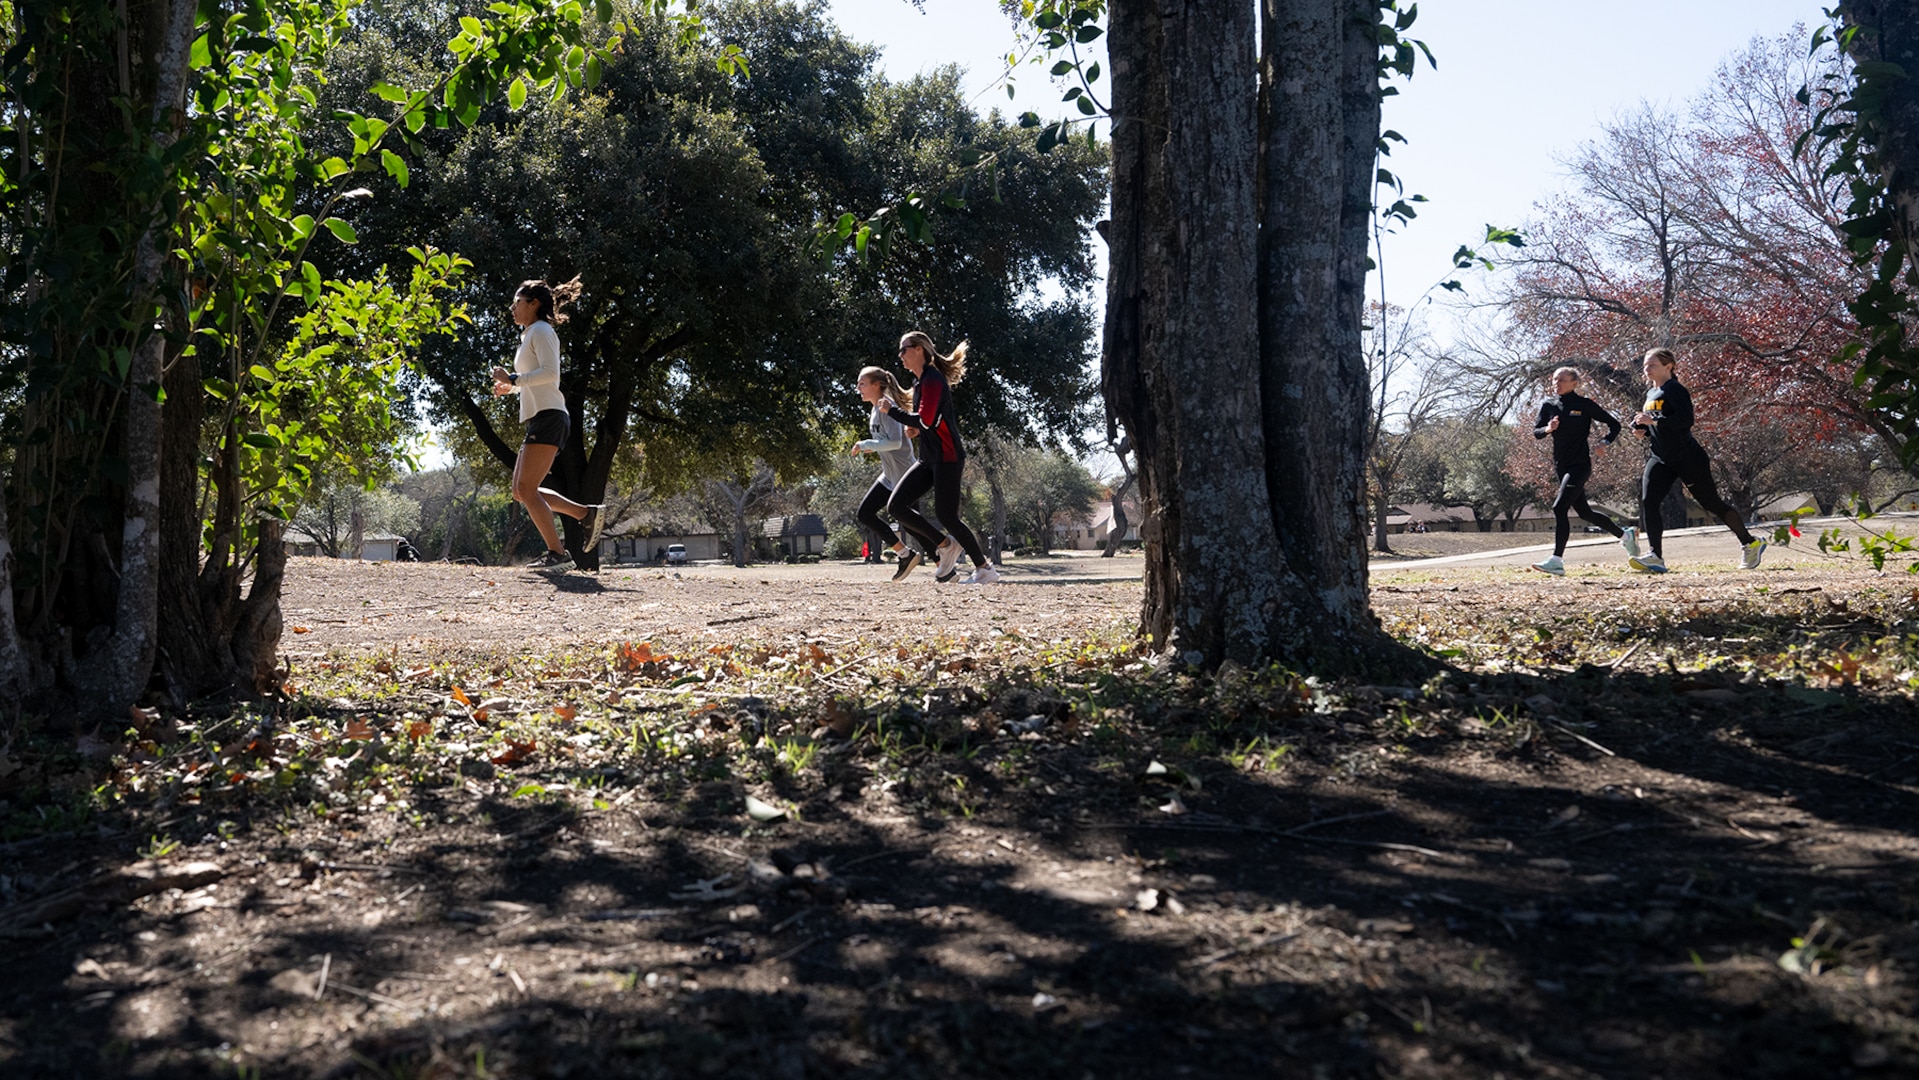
[
  {"x": 640, "y": 525},
  {"x": 1412, "y": 512},
  {"x": 795, "y": 525}
]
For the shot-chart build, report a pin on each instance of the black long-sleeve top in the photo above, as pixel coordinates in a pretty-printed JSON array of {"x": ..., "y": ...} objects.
[
  {"x": 1577, "y": 415},
  {"x": 1671, "y": 430},
  {"x": 937, "y": 419}
]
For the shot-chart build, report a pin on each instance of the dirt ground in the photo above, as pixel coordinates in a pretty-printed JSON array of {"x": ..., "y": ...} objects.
[
  {"x": 422, "y": 607},
  {"x": 506, "y": 826}
]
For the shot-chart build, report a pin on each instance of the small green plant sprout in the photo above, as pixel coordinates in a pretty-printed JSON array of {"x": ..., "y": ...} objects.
[
  {"x": 797, "y": 754},
  {"x": 1876, "y": 546},
  {"x": 159, "y": 847},
  {"x": 1814, "y": 952},
  {"x": 1787, "y": 531}
]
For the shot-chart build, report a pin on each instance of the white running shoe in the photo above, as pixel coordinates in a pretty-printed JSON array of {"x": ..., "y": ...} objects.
[
  {"x": 1551, "y": 564},
  {"x": 949, "y": 553},
  {"x": 984, "y": 574},
  {"x": 1750, "y": 554},
  {"x": 1651, "y": 564},
  {"x": 1629, "y": 539}
]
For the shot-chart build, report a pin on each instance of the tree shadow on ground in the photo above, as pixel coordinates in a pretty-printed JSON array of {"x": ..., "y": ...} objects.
[{"x": 1618, "y": 876}]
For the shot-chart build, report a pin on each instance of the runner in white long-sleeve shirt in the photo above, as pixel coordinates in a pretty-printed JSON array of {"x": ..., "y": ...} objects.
[{"x": 890, "y": 442}]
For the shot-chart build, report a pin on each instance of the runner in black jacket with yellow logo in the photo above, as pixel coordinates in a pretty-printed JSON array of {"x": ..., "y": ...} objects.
[
  {"x": 1569, "y": 419},
  {"x": 1677, "y": 457}
]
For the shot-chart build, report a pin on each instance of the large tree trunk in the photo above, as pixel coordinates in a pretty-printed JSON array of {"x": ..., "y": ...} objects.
[
  {"x": 118, "y": 661},
  {"x": 1254, "y": 531},
  {"x": 1319, "y": 106},
  {"x": 16, "y": 673},
  {"x": 1182, "y": 331}
]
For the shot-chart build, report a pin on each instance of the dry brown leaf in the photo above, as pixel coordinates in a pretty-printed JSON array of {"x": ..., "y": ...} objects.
[{"x": 359, "y": 730}]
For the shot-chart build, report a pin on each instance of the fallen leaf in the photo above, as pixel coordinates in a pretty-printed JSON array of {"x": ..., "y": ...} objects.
[
  {"x": 419, "y": 729},
  {"x": 303, "y": 630},
  {"x": 1174, "y": 806},
  {"x": 633, "y": 657},
  {"x": 359, "y": 730},
  {"x": 515, "y": 752},
  {"x": 566, "y": 712},
  {"x": 762, "y": 811},
  {"x": 459, "y": 695},
  {"x": 839, "y": 718}
]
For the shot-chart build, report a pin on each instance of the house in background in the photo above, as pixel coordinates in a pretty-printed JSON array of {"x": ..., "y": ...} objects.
[
  {"x": 1090, "y": 534},
  {"x": 1425, "y": 517},
  {"x": 375, "y": 547},
  {"x": 645, "y": 540},
  {"x": 793, "y": 535}
]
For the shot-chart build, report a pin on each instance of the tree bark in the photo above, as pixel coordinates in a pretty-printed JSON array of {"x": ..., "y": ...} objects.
[
  {"x": 1233, "y": 355},
  {"x": 119, "y": 663},
  {"x": 1319, "y": 136},
  {"x": 16, "y": 673},
  {"x": 1181, "y": 327}
]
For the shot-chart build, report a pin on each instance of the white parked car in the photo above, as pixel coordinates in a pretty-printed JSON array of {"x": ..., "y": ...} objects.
[{"x": 675, "y": 553}]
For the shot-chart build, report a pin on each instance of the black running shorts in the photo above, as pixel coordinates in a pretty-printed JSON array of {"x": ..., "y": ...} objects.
[{"x": 548, "y": 428}]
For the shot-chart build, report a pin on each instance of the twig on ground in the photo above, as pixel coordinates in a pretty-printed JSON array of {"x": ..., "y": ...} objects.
[
  {"x": 1582, "y": 738},
  {"x": 368, "y": 995},
  {"x": 326, "y": 968},
  {"x": 1238, "y": 950},
  {"x": 878, "y": 855},
  {"x": 1620, "y": 661},
  {"x": 798, "y": 949}
]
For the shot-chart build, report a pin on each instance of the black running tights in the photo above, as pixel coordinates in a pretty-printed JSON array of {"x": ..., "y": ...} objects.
[
  {"x": 943, "y": 480},
  {"x": 1572, "y": 498},
  {"x": 1696, "y": 474}
]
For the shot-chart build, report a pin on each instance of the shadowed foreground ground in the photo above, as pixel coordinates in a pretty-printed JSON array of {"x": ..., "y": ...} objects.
[{"x": 1669, "y": 836}]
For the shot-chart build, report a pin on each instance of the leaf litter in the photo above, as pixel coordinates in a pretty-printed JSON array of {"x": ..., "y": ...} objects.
[{"x": 564, "y": 875}]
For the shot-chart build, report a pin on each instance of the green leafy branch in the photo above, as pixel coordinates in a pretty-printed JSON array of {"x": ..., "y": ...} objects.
[{"x": 1852, "y": 121}]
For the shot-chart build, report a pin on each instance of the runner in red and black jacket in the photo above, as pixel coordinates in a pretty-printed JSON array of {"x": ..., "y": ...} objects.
[{"x": 942, "y": 458}]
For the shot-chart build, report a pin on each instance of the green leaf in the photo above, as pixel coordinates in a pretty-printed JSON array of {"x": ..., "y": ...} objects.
[
  {"x": 332, "y": 167},
  {"x": 260, "y": 440},
  {"x": 263, "y": 374},
  {"x": 302, "y": 226},
  {"x": 594, "y": 72},
  {"x": 201, "y": 55},
  {"x": 1064, "y": 67},
  {"x": 343, "y": 229},
  {"x": 1087, "y": 33},
  {"x": 472, "y": 26},
  {"x": 395, "y": 167},
  {"x": 1086, "y": 106},
  {"x": 1046, "y": 20},
  {"x": 516, "y": 95},
  {"x": 388, "y": 92}
]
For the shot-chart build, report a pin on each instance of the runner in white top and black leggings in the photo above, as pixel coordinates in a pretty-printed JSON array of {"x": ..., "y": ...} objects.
[
  {"x": 882, "y": 391},
  {"x": 536, "y": 378}
]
